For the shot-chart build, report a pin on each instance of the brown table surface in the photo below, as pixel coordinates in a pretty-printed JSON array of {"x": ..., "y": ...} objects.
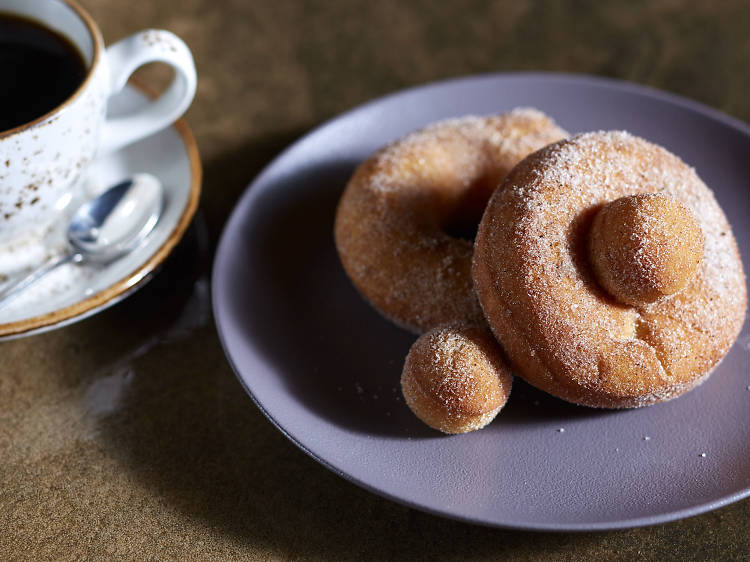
[{"x": 128, "y": 436}]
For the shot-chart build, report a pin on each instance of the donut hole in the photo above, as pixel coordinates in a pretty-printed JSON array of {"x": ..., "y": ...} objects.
[
  {"x": 455, "y": 378},
  {"x": 645, "y": 247},
  {"x": 465, "y": 213}
]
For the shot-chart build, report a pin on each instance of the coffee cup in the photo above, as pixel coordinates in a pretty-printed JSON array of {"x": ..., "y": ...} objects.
[{"x": 43, "y": 160}]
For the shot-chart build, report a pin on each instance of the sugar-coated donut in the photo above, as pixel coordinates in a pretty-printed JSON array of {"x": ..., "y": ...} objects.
[
  {"x": 563, "y": 332},
  {"x": 455, "y": 379},
  {"x": 645, "y": 247},
  {"x": 394, "y": 219}
]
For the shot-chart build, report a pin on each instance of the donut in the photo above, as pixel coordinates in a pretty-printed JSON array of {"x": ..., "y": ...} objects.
[
  {"x": 455, "y": 379},
  {"x": 645, "y": 247},
  {"x": 565, "y": 333},
  {"x": 402, "y": 221}
]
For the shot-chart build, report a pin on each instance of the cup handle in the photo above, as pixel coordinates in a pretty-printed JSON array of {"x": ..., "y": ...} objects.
[{"x": 122, "y": 59}]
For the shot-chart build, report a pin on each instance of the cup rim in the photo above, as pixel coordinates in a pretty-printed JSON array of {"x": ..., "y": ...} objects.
[{"x": 98, "y": 47}]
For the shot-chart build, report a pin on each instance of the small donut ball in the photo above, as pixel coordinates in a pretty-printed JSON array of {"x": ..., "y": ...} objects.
[
  {"x": 455, "y": 379},
  {"x": 645, "y": 247}
]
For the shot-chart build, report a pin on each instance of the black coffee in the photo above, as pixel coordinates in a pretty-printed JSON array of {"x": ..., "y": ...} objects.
[{"x": 39, "y": 69}]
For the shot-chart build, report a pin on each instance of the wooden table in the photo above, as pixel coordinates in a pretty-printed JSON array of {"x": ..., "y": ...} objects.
[{"x": 128, "y": 436}]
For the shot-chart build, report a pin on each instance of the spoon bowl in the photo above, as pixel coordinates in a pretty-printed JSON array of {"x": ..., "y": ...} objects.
[{"x": 118, "y": 220}]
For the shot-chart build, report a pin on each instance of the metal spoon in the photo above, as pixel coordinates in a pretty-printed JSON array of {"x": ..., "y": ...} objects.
[{"x": 105, "y": 228}]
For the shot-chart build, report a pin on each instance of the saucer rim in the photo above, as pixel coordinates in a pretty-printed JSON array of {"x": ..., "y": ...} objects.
[{"x": 139, "y": 276}]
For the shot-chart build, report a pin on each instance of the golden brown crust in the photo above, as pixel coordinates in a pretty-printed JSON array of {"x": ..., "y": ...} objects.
[
  {"x": 561, "y": 331},
  {"x": 391, "y": 222},
  {"x": 644, "y": 247},
  {"x": 455, "y": 379}
]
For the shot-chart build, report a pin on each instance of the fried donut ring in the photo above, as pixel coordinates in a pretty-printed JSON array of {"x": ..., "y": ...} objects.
[
  {"x": 455, "y": 379},
  {"x": 391, "y": 222},
  {"x": 562, "y": 332}
]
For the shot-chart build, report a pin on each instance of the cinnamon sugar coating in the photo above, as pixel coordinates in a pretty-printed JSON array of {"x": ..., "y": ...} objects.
[
  {"x": 562, "y": 332},
  {"x": 455, "y": 379},
  {"x": 394, "y": 219},
  {"x": 645, "y": 247}
]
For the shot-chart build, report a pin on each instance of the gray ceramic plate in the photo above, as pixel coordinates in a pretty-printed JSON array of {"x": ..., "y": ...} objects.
[{"x": 324, "y": 367}]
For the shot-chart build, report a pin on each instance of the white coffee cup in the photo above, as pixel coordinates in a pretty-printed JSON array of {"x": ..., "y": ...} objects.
[{"x": 43, "y": 161}]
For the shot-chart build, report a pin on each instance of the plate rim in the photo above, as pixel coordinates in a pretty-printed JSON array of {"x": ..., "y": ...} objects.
[
  {"x": 139, "y": 276},
  {"x": 221, "y": 256}
]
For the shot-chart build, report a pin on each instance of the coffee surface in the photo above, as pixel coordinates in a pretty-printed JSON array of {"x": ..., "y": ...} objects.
[{"x": 40, "y": 70}]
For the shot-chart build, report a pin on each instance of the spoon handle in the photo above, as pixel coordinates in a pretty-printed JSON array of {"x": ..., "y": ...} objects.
[{"x": 9, "y": 293}]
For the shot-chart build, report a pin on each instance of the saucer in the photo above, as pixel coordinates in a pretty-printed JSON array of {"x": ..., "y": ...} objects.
[{"x": 74, "y": 292}]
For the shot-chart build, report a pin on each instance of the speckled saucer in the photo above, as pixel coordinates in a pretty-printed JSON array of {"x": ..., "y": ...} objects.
[
  {"x": 73, "y": 292},
  {"x": 325, "y": 367}
]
